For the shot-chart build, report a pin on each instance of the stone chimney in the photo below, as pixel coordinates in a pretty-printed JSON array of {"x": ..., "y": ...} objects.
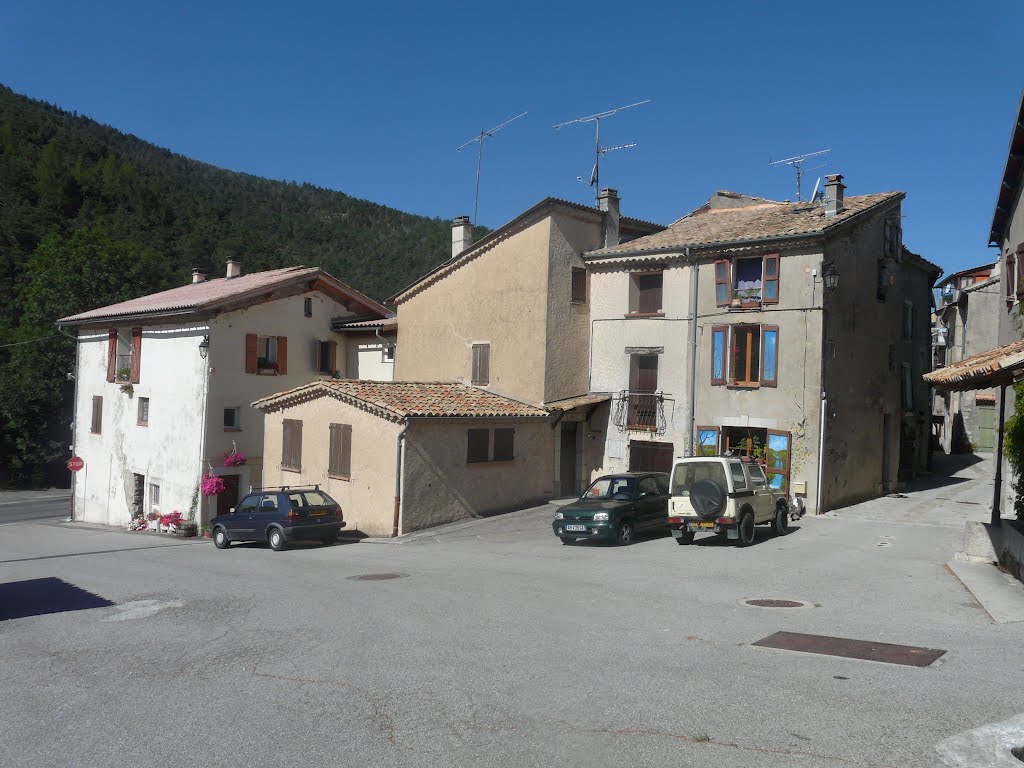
[
  {"x": 834, "y": 195},
  {"x": 234, "y": 267},
  {"x": 462, "y": 234},
  {"x": 608, "y": 202},
  {"x": 198, "y": 276}
]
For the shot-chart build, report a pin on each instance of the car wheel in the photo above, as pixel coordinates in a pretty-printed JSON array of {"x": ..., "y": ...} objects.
[
  {"x": 276, "y": 539},
  {"x": 686, "y": 538},
  {"x": 624, "y": 535},
  {"x": 746, "y": 530},
  {"x": 220, "y": 538},
  {"x": 567, "y": 540},
  {"x": 781, "y": 523}
]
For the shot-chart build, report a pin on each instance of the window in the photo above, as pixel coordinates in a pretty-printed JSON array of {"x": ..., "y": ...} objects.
[
  {"x": 892, "y": 239},
  {"x": 882, "y": 285},
  {"x": 747, "y": 282},
  {"x": 387, "y": 353},
  {"x": 339, "y": 463},
  {"x": 143, "y": 417},
  {"x": 307, "y": 307},
  {"x": 478, "y": 445},
  {"x": 908, "y": 320},
  {"x": 124, "y": 355},
  {"x": 326, "y": 357},
  {"x": 739, "y": 478},
  {"x": 249, "y": 503},
  {"x": 777, "y": 460},
  {"x": 757, "y": 478},
  {"x": 907, "y": 390},
  {"x": 232, "y": 419},
  {"x": 707, "y": 441},
  {"x": 154, "y": 497},
  {"x": 753, "y": 355},
  {"x": 481, "y": 364},
  {"x": 647, "y": 486},
  {"x": 97, "y": 415},
  {"x": 643, "y": 384},
  {"x": 1011, "y": 278},
  {"x": 645, "y": 293},
  {"x": 291, "y": 446},
  {"x": 579, "y": 285},
  {"x": 1019, "y": 282},
  {"x": 504, "y": 444},
  {"x": 267, "y": 355}
]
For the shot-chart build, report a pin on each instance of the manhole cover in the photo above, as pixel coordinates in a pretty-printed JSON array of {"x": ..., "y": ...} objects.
[
  {"x": 377, "y": 576},
  {"x": 867, "y": 650},
  {"x": 764, "y": 602}
]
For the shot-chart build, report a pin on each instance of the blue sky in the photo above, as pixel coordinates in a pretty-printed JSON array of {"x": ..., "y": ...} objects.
[{"x": 372, "y": 98}]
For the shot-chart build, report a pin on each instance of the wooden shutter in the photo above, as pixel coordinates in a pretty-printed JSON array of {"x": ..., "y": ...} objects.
[
  {"x": 769, "y": 355},
  {"x": 334, "y": 356},
  {"x": 504, "y": 444},
  {"x": 649, "y": 293},
  {"x": 719, "y": 353},
  {"x": 250, "y": 353},
  {"x": 282, "y": 355},
  {"x": 291, "y": 444},
  {"x": 723, "y": 292},
  {"x": 579, "y": 285},
  {"x": 477, "y": 445},
  {"x": 136, "y": 363},
  {"x": 97, "y": 415},
  {"x": 111, "y": 354},
  {"x": 1020, "y": 272},
  {"x": 770, "y": 279},
  {"x": 481, "y": 364},
  {"x": 339, "y": 464}
]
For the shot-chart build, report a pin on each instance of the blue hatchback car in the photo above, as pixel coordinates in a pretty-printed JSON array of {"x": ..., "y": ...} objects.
[
  {"x": 279, "y": 516},
  {"x": 614, "y": 508}
]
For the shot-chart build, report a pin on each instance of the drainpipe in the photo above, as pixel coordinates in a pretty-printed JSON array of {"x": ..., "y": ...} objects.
[
  {"x": 384, "y": 343},
  {"x": 821, "y": 453},
  {"x": 399, "y": 444},
  {"x": 202, "y": 433},
  {"x": 74, "y": 418},
  {"x": 692, "y": 411}
]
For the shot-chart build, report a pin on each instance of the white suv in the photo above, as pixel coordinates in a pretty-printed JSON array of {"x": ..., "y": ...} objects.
[{"x": 723, "y": 494}]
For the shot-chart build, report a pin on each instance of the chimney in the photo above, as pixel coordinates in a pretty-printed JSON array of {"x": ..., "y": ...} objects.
[
  {"x": 834, "y": 195},
  {"x": 234, "y": 267},
  {"x": 608, "y": 202},
  {"x": 462, "y": 235},
  {"x": 197, "y": 276}
]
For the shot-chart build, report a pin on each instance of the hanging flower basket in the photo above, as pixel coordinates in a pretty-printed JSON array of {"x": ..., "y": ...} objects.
[
  {"x": 234, "y": 459},
  {"x": 212, "y": 485}
]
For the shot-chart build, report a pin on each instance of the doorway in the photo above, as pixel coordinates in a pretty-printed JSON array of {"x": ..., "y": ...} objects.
[
  {"x": 650, "y": 456},
  {"x": 986, "y": 428},
  {"x": 567, "y": 461},
  {"x": 138, "y": 491},
  {"x": 229, "y": 498}
]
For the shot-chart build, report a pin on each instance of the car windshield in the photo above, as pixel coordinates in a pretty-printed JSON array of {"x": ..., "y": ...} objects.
[
  {"x": 607, "y": 487},
  {"x": 686, "y": 474},
  {"x": 311, "y": 499}
]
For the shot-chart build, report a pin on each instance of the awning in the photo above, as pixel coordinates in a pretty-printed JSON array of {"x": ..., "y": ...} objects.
[
  {"x": 577, "y": 402},
  {"x": 997, "y": 367}
]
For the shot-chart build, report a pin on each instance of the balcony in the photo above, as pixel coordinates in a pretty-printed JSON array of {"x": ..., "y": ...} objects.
[{"x": 640, "y": 412}]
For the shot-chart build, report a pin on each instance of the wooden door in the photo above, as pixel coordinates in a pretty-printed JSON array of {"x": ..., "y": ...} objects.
[{"x": 229, "y": 498}]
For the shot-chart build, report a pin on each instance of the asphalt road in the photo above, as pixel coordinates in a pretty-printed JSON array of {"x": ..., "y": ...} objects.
[
  {"x": 46, "y": 505},
  {"x": 494, "y": 646}
]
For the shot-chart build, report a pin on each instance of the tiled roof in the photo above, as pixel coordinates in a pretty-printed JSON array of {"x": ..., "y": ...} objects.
[
  {"x": 363, "y": 325},
  {"x": 398, "y": 399},
  {"x": 762, "y": 221},
  {"x": 209, "y": 294},
  {"x": 577, "y": 402},
  {"x": 994, "y": 367}
]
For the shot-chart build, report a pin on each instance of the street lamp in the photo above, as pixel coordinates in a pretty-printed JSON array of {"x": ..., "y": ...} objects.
[
  {"x": 831, "y": 276},
  {"x": 204, "y": 347}
]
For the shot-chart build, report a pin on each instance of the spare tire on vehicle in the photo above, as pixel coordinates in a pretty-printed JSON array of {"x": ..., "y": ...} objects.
[{"x": 707, "y": 498}]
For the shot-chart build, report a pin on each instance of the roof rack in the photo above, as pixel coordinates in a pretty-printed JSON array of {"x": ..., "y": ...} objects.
[{"x": 258, "y": 488}]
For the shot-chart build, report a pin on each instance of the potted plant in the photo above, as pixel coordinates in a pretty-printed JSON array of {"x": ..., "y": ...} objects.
[
  {"x": 205, "y": 531},
  {"x": 153, "y": 521},
  {"x": 234, "y": 459},
  {"x": 212, "y": 485},
  {"x": 188, "y": 529},
  {"x": 124, "y": 373}
]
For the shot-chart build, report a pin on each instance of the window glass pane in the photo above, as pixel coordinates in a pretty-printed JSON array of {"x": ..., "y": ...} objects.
[
  {"x": 718, "y": 355},
  {"x": 771, "y": 289},
  {"x": 722, "y": 297},
  {"x": 771, "y": 339},
  {"x": 778, "y": 453},
  {"x": 721, "y": 272},
  {"x": 739, "y": 479},
  {"x": 748, "y": 279},
  {"x": 685, "y": 475}
]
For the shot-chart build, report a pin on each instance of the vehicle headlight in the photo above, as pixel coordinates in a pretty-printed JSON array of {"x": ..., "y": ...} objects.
[
  {"x": 558, "y": 515},
  {"x": 600, "y": 516}
]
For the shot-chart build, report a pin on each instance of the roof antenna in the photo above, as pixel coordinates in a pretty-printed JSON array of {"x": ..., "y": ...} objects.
[
  {"x": 479, "y": 139},
  {"x": 595, "y": 174},
  {"x": 814, "y": 194},
  {"x": 798, "y": 163}
]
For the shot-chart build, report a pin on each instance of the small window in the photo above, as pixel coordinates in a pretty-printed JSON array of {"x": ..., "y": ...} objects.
[
  {"x": 746, "y": 355},
  {"x": 143, "y": 418},
  {"x": 339, "y": 463},
  {"x": 723, "y": 288},
  {"x": 266, "y": 353},
  {"x": 481, "y": 364},
  {"x": 233, "y": 418},
  {"x": 769, "y": 355},
  {"x": 892, "y": 239},
  {"x": 579, "y": 285},
  {"x": 97, "y": 415},
  {"x": 882, "y": 286},
  {"x": 478, "y": 445},
  {"x": 908, "y": 320},
  {"x": 326, "y": 357},
  {"x": 748, "y": 288},
  {"x": 291, "y": 446},
  {"x": 1019, "y": 282},
  {"x": 757, "y": 478},
  {"x": 307, "y": 307},
  {"x": 1011, "y": 279},
  {"x": 504, "y": 444},
  {"x": 646, "y": 293},
  {"x": 388, "y": 353},
  {"x": 907, "y": 390},
  {"x": 739, "y": 480},
  {"x": 718, "y": 335},
  {"x": 154, "y": 497}
]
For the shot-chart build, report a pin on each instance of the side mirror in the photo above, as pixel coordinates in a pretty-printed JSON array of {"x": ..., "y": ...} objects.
[{"x": 231, "y": 511}]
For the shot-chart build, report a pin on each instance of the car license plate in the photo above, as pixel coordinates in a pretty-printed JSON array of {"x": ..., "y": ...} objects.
[
  {"x": 318, "y": 513},
  {"x": 702, "y": 525},
  {"x": 575, "y": 527}
]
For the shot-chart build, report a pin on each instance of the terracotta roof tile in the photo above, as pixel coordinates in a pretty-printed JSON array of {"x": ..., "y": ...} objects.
[
  {"x": 398, "y": 399},
  {"x": 760, "y": 221},
  {"x": 1002, "y": 365}
]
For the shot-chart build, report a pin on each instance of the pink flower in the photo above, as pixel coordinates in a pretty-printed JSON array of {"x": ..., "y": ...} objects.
[
  {"x": 212, "y": 485},
  {"x": 234, "y": 459}
]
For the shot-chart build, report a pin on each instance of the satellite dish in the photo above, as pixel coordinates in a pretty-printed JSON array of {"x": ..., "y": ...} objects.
[{"x": 814, "y": 194}]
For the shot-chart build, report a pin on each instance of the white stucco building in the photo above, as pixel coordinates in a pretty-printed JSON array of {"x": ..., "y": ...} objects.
[{"x": 164, "y": 383}]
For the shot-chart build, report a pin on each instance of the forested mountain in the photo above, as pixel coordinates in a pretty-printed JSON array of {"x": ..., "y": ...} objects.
[{"x": 90, "y": 216}]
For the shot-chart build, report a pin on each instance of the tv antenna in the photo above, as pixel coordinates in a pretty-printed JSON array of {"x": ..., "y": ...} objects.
[
  {"x": 595, "y": 174},
  {"x": 479, "y": 139},
  {"x": 798, "y": 164}
]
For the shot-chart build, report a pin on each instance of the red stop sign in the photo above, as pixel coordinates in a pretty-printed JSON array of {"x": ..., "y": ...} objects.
[{"x": 75, "y": 463}]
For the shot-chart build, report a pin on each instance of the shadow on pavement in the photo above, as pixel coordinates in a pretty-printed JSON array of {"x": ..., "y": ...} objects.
[{"x": 37, "y": 597}]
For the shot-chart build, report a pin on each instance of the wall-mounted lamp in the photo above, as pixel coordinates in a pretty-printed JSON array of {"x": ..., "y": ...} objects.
[
  {"x": 830, "y": 276},
  {"x": 204, "y": 347}
]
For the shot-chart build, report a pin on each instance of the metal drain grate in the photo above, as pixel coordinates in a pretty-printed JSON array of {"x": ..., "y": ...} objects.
[
  {"x": 377, "y": 576},
  {"x": 764, "y": 602},
  {"x": 908, "y": 655}
]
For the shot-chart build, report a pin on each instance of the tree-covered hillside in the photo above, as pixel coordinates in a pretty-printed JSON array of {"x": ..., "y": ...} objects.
[{"x": 90, "y": 216}]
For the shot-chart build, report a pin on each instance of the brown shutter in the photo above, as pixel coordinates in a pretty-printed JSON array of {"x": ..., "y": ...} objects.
[
  {"x": 282, "y": 355},
  {"x": 250, "y": 353},
  {"x": 136, "y": 364},
  {"x": 334, "y": 357},
  {"x": 770, "y": 279},
  {"x": 719, "y": 334},
  {"x": 111, "y": 354},
  {"x": 346, "y": 450},
  {"x": 723, "y": 293}
]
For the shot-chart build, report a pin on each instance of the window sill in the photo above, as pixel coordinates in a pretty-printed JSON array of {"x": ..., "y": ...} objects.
[
  {"x": 290, "y": 469},
  {"x": 633, "y": 315},
  {"x": 738, "y": 385},
  {"x": 346, "y": 478},
  {"x": 232, "y": 429},
  {"x": 267, "y": 372},
  {"x": 142, "y": 423}
]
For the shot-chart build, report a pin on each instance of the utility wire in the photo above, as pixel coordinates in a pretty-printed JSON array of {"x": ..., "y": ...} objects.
[{"x": 31, "y": 341}]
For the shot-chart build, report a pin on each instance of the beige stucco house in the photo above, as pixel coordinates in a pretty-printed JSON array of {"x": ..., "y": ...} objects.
[
  {"x": 797, "y": 332},
  {"x": 401, "y": 456},
  {"x": 164, "y": 381},
  {"x": 511, "y": 313}
]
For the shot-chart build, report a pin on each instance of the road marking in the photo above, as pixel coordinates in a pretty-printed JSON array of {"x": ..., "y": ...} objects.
[{"x": 140, "y": 609}]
